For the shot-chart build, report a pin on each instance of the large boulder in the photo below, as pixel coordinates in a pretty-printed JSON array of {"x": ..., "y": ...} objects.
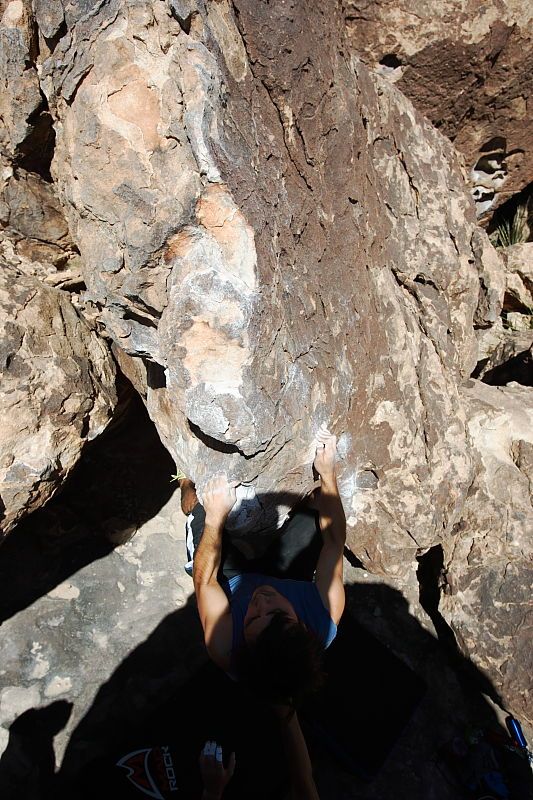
[
  {"x": 57, "y": 391},
  {"x": 468, "y": 66},
  {"x": 488, "y": 559},
  {"x": 273, "y": 237}
]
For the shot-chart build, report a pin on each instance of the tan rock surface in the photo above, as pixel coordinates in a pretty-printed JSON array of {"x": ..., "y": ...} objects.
[
  {"x": 271, "y": 253},
  {"x": 34, "y": 235},
  {"x": 57, "y": 392},
  {"x": 20, "y": 97},
  {"x": 488, "y": 559},
  {"x": 468, "y": 66},
  {"x": 518, "y": 263},
  {"x": 32, "y": 209}
]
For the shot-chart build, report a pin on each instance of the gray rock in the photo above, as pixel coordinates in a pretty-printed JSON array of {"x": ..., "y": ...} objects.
[
  {"x": 20, "y": 97},
  {"x": 49, "y": 16},
  {"x": 58, "y": 391},
  {"x": 506, "y": 355},
  {"x": 492, "y": 281},
  {"x": 472, "y": 78},
  {"x": 32, "y": 208},
  {"x": 264, "y": 266},
  {"x": 488, "y": 559},
  {"x": 518, "y": 263}
]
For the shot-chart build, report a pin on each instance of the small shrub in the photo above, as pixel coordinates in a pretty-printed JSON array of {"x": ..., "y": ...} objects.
[{"x": 513, "y": 230}]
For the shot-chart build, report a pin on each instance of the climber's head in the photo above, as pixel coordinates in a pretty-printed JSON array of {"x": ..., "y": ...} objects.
[
  {"x": 266, "y": 603},
  {"x": 281, "y": 660}
]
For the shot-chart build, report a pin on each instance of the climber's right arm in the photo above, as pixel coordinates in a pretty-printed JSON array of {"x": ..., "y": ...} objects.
[
  {"x": 332, "y": 520},
  {"x": 213, "y": 604}
]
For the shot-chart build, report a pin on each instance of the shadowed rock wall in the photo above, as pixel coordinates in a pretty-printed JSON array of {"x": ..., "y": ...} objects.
[{"x": 468, "y": 66}]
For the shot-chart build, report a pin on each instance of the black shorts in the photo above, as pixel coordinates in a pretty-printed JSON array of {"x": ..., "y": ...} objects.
[{"x": 293, "y": 552}]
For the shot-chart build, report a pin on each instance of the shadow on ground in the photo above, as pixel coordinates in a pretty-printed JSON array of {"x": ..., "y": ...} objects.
[
  {"x": 110, "y": 493},
  {"x": 387, "y": 718}
]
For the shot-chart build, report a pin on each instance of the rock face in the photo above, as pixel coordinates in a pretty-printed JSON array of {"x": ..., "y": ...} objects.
[
  {"x": 34, "y": 234},
  {"x": 265, "y": 251},
  {"x": 492, "y": 283},
  {"x": 57, "y": 391},
  {"x": 505, "y": 344},
  {"x": 270, "y": 236},
  {"x": 20, "y": 98},
  {"x": 489, "y": 557},
  {"x": 505, "y": 355},
  {"x": 518, "y": 263},
  {"x": 468, "y": 66}
]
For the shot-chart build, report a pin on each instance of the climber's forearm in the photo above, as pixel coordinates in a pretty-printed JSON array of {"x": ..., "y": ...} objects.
[
  {"x": 332, "y": 519},
  {"x": 208, "y": 554},
  {"x": 300, "y": 770}
]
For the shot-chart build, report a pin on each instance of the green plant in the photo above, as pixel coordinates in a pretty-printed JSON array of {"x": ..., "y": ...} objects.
[{"x": 511, "y": 230}]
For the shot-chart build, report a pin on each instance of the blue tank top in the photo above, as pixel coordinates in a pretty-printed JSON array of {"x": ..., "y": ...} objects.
[{"x": 303, "y": 595}]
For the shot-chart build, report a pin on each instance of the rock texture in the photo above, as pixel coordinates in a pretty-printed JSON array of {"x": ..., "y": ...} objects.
[
  {"x": 505, "y": 343},
  {"x": 518, "y": 263},
  {"x": 34, "y": 233},
  {"x": 468, "y": 67},
  {"x": 505, "y": 355},
  {"x": 264, "y": 250},
  {"x": 270, "y": 236},
  {"x": 20, "y": 98},
  {"x": 492, "y": 283},
  {"x": 57, "y": 392},
  {"x": 489, "y": 557}
]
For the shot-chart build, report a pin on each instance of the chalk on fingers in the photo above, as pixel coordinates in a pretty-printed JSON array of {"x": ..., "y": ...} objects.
[{"x": 218, "y": 754}]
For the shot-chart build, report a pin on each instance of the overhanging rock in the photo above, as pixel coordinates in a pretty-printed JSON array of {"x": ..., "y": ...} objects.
[{"x": 273, "y": 238}]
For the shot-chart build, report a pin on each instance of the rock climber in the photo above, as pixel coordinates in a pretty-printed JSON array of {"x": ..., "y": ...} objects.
[{"x": 269, "y": 632}]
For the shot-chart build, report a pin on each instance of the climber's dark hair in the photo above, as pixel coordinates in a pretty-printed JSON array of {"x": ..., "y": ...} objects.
[{"x": 284, "y": 664}]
